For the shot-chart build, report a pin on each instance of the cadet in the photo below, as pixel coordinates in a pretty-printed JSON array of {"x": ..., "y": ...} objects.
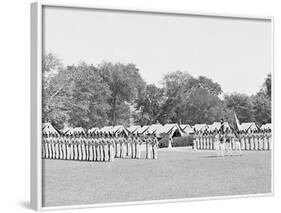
[
  {"x": 221, "y": 144},
  {"x": 154, "y": 147},
  {"x": 129, "y": 150},
  {"x": 137, "y": 146},
  {"x": 101, "y": 146},
  {"x": 217, "y": 142},
  {"x": 46, "y": 146},
  {"x": 110, "y": 149},
  {"x": 94, "y": 146},
  {"x": 147, "y": 146},
  {"x": 90, "y": 146},
  {"x": 68, "y": 147},
  {"x": 43, "y": 146},
  {"x": 60, "y": 142},
  {"x": 76, "y": 147},
  {"x": 228, "y": 143},
  {"x": 51, "y": 146},
  {"x": 97, "y": 146}
]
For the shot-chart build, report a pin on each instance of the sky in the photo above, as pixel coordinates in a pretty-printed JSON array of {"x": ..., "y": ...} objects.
[{"x": 236, "y": 53}]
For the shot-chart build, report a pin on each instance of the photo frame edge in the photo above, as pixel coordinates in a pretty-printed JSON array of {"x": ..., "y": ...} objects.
[{"x": 36, "y": 101}]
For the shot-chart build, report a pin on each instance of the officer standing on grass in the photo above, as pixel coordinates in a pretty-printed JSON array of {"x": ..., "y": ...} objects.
[{"x": 154, "y": 147}]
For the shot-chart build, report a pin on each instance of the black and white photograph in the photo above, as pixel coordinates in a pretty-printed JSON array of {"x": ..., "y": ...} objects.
[{"x": 141, "y": 106}]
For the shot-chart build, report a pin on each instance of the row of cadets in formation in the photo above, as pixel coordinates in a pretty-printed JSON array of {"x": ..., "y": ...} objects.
[
  {"x": 98, "y": 146},
  {"x": 249, "y": 140}
]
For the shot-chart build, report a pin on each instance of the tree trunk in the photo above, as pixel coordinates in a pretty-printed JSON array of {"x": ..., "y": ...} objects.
[{"x": 114, "y": 112}]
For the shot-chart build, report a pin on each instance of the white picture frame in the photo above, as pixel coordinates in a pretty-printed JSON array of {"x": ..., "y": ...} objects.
[{"x": 36, "y": 100}]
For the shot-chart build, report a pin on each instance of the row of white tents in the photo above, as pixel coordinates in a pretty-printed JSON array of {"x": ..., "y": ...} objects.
[{"x": 159, "y": 130}]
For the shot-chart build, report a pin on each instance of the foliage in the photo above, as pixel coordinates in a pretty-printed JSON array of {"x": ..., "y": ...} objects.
[
  {"x": 115, "y": 94},
  {"x": 149, "y": 105},
  {"x": 125, "y": 84},
  {"x": 177, "y": 141},
  {"x": 241, "y": 104}
]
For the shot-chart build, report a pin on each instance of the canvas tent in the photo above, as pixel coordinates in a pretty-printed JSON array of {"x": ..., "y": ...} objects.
[
  {"x": 76, "y": 130},
  {"x": 200, "y": 127},
  {"x": 217, "y": 126},
  {"x": 266, "y": 126},
  {"x": 120, "y": 129},
  {"x": 153, "y": 128},
  {"x": 187, "y": 128},
  {"x": 106, "y": 129},
  {"x": 248, "y": 126},
  {"x": 133, "y": 129},
  {"x": 142, "y": 130},
  {"x": 169, "y": 129},
  {"x": 93, "y": 130},
  {"x": 47, "y": 128}
]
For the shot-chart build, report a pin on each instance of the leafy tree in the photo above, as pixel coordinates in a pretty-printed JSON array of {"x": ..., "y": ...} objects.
[
  {"x": 266, "y": 88},
  {"x": 200, "y": 106},
  {"x": 77, "y": 96},
  {"x": 149, "y": 105},
  {"x": 186, "y": 96},
  {"x": 125, "y": 84},
  {"x": 261, "y": 108},
  {"x": 241, "y": 104}
]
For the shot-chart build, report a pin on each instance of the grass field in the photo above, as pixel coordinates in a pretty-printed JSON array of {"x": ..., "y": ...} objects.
[{"x": 178, "y": 173}]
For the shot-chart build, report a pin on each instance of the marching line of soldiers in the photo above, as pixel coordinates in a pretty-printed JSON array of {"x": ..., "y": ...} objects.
[
  {"x": 97, "y": 146},
  {"x": 252, "y": 140}
]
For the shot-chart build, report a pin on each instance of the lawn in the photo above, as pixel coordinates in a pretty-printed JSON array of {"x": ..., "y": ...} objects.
[{"x": 178, "y": 173}]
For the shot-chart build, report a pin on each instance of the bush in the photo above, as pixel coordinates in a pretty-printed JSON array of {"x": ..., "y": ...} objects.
[{"x": 177, "y": 141}]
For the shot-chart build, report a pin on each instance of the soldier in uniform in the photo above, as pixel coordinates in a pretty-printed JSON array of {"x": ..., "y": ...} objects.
[
  {"x": 101, "y": 146},
  {"x": 104, "y": 147},
  {"x": 87, "y": 139},
  {"x": 61, "y": 142},
  {"x": 98, "y": 146},
  {"x": 217, "y": 142},
  {"x": 222, "y": 144},
  {"x": 90, "y": 147},
  {"x": 43, "y": 145},
  {"x": 55, "y": 141},
  {"x": 79, "y": 147},
  {"x": 122, "y": 145},
  {"x": 51, "y": 146},
  {"x": 228, "y": 145},
  {"x": 110, "y": 148},
  {"x": 265, "y": 139},
  {"x": 68, "y": 147},
  {"x": 138, "y": 146},
  {"x": 127, "y": 144},
  {"x": 116, "y": 141},
  {"x": 269, "y": 140},
  {"x": 77, "y": 141},
  {"x": 94, "y": 138},
  {"x": 261, "y": 140},
  {"x": 242, "y": 139},
  {"x": 132, "y": 143},
  {"x": 64, "y": 147},
  {"x": 47, "y": 146},
  {"x": 148, "y": 142},
  {"x": 154, "y": 147}
]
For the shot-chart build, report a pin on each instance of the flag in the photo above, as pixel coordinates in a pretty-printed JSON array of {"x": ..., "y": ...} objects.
[{"x": 235, "y": 125}]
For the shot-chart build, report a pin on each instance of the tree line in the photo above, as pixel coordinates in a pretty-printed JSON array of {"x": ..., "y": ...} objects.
[{"x": 115, "y": 94}]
